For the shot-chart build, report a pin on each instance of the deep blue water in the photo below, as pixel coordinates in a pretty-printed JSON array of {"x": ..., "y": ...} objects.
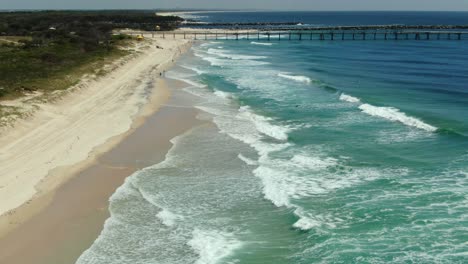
[
  {"x": 341, "y": 18},
  {"x": 318, "y": 152}
]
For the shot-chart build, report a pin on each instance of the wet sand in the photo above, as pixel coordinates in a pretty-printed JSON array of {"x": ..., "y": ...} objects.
[{"x": 72, "y": 217}]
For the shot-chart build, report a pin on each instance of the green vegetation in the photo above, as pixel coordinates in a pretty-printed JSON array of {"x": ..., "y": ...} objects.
[
  {"x": 50, "y": 50},
  {"x": 46, "y": 68}
]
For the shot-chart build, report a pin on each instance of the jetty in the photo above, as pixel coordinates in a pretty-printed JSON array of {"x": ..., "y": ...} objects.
[
  {"x": 270, "y": 32},
  {"x": 294, "y": 35}
]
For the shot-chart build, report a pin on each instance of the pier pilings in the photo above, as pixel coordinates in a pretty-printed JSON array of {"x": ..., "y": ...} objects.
[{"x": 329, "y": 35}]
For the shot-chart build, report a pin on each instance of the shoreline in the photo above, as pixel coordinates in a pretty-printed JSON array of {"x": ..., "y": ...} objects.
[
  {"x": 20, "y": 153},
  {"x": 69, "y": 225}
]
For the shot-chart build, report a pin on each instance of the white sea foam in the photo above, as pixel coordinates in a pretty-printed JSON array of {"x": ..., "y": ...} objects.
[
  {"x": 184, "y": 78},
  {"x": 248, "y": 127},
  {"x": 125, "y": 190},
  {"x": 215, "y": 111},
  {"x": 193, "y": 83},
  {"x": 225, "y": 61},
  {"x": 212, "y": 60},
  {"x": 247, "y": 160},
  {"x": 213, "y": 246},
  {"x": 261, "y": 43},
  {"x": 224, "y": 95},
  {"x": 243, "y": 127},
  {"x": 275, "y": 188},
  {"x": 192, "y": 68},
  {"x": 297, "y": 78},
  {"x": 242, "y": 57},
  {"x": 208, "y": 44},
  {"x": 284, "y": 181},
  {"x": 392, "y": 136},
  {"x": 264, "y": 149},
  {"x": 264, "y": 125},
  {"x": 313, "y": 163},
  {"x": 222, "y": 53},
  {"x": 396, "y": 115},
  {"x": 168, "y": 218},
  {"x": 305, "y": 223},
  {"x": 389, "y": 113},
  {"x": 348, "y": 98},
  {"x": 308, "y": 221}
]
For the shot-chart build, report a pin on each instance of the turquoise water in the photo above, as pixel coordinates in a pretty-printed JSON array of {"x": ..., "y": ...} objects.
[
  {"x": 317, "y": 152},
  {"x": 332, "y": 152}
]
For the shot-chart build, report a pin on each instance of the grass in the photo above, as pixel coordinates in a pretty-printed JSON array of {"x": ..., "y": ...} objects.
[
  {"x": 8, "y": 114},
  {"x": 50, "y": 51},
  {"x": 23, "y": 71},
  {"x": 49, "y": 68}
]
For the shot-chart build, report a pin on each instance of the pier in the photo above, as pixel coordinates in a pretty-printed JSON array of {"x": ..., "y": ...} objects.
[{"x": 320, "y": 35}]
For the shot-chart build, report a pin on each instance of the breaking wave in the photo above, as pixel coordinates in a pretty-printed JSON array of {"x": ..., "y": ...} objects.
[
  {"x": 389, "y": 113},
  {"x": 348, "y": 98},
  {"x": 394, "y": 114},
  {"x": 213, "y": 246},
  {"x": 261, "y": 43},
  {"x": 302, "y": 79}
]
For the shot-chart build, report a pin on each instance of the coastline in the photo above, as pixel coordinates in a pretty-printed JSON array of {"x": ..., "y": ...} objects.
[
  {"x": 257, "y": 152},
  {"x": 74, "y": 218},
  {"x": 100, "y": 113}
]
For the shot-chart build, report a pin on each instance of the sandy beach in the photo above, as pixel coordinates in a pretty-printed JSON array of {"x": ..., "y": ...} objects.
[{"x": 65, "y": 160}]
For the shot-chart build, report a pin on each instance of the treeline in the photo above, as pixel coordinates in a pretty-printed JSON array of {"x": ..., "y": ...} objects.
[
  {"x": 52, "y": 43},
  {"x": 90, "y": 28},
  {"x": 24, "y": 23}
]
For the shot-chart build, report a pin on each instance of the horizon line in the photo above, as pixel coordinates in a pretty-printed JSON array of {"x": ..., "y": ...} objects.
[{"x": 181, "y": 10}]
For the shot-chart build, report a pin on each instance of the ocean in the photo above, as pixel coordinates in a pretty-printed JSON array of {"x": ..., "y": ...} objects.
[
  {"x": 317, "y": 152},
  {"x": 333, "y": 18}
]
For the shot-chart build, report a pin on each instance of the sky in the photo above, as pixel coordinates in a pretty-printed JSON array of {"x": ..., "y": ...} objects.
[{"x": 317, "y": 5}]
